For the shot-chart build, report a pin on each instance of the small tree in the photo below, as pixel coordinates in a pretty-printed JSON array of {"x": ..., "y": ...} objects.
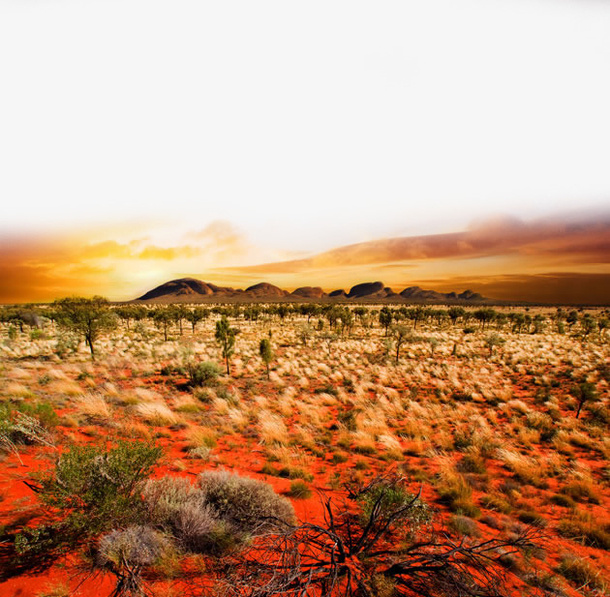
[
  {"x": 163, "y": 319},
  {"x": 225, "y": 336},
  {"x": 455, "y": 313},
  {"x": 492, "y": 341},
  {"x": 401, "y": 335},
  {"x": 485, "y": 315},
  {"x": 385, "y": 318},
  {"x": 587, "y": 324},
  {"x": 87, "y": 317},
  {"x": 196, "y": 315},
  {"x": 584, "y": 392},
  {"x": 266, "y": 352}
]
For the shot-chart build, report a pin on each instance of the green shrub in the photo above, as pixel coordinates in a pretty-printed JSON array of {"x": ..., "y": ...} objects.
[
  {"x": 99, "y": 488},
  {"x": 392, "y": 497},
  {"x": 43, "y": 411},
  {"x": 203, "y": 374},
  {"x": 37, "y": 334}
]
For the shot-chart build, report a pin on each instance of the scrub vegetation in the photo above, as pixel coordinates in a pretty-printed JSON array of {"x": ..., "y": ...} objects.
[{"x": 306, "y": 449}]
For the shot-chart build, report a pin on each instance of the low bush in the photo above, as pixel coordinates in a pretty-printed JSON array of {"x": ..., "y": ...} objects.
[
  {"x": 581, "y": 491},
  {"x": 473, "y": 463},
  {"x": 581, "y": 573},
  {"x": 585, "y": 531},
  {"x": 456, "y": 493},
  {"x": 126, "y": 552},
  {"x": 250, "y": 506},
  {"x": 531, "y": 517},
  {"x": 463, "y": 525},
  {"x": 203, "y": 374},
  {"x": 26, "y": 423},
  {"x": 299, "y": 490},
  {"x": 217, "y": 514},
  {"x": 99, "y": 488}
]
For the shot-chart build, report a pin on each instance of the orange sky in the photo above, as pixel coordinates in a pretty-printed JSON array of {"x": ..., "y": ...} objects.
[{"x": 551, "y": 260}]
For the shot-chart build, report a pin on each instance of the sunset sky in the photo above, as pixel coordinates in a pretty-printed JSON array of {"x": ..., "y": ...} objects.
[{"x": 450, "y": 144}]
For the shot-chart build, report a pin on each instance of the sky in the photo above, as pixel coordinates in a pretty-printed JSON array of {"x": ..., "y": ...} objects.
[{"x": 143, "y": 140}]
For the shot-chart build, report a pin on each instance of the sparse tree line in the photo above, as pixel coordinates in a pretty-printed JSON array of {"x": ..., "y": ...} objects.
[{"x": 89, "y": 318}]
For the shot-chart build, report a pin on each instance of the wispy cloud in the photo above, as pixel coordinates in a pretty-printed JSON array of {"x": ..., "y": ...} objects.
[{"x": 552, "y": 260}]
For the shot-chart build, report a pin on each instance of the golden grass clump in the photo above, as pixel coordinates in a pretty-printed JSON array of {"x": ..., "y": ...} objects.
[{"x": 157, "y": 414}]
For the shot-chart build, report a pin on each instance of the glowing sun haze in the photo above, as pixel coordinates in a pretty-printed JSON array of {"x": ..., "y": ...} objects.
[{"x": 143, "y": 140}]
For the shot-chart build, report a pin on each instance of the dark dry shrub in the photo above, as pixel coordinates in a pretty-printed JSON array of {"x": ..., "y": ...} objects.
[
  {"x": 581, "y": 491},
  {"x": 136, "y": 546},
  {"x": 198, "y": 529},
  {"x": 532, "y": 518},
  {"x": 462, "y": 438},
  {"x": 585, "y": 531},
  {"x": 290, "y": 472},
  {"x": 269, "y": 469},
  {"x": 510, "y": 561},
  {"x": 543, "y": 580},
  {"x": 463, "y": 525},
  {"x": 126, "y": 553},
  {"x": 164, "y": 497},
  {"x": 250, "y": 506},
  {"x": 472, "y": 463},
  {"x": 581, "y": 573},
  {"x": 339, "y": 458},
  {"x": 563, "y": 500},
  {"x": 600, "y": 415},
  {"x": 456, "y": 493},
  {"x": 365, "y": 450},
  {"x": 495, "y": 502},
  {"x": 492, "y": 521}
]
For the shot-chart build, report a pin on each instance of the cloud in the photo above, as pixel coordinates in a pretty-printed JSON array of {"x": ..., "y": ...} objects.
[
  {"x": 563, "y": 259},
  {"x": 574, "y": 242}
]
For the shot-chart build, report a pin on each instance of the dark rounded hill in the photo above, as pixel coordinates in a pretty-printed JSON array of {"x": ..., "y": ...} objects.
[
  {"x": 181, "y": 287},
  {"x": 186, "y": 290},
  {"x": 264, "y": 289},
  {"x": 370, "y": 290},
  {"x": 313, "y": 292}
]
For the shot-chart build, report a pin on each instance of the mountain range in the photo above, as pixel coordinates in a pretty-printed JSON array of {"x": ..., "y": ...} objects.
[{"x": 191, "y": 290}]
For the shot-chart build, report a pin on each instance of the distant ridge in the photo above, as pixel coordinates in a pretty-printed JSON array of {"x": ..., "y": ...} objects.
[{"x": 190, "y": 290}]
